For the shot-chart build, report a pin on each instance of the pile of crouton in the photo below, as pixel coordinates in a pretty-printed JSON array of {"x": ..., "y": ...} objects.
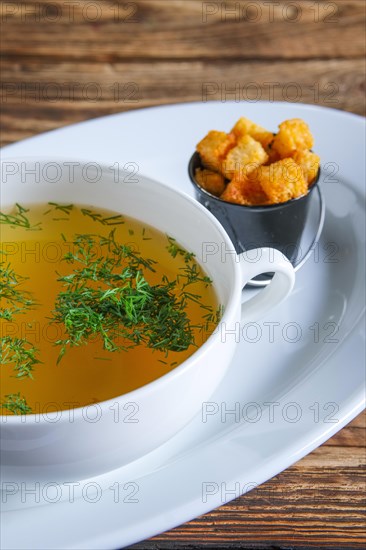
[{"x": 252, "y": 166}]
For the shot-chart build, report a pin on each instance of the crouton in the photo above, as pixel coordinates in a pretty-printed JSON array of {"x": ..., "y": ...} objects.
[
  {"x": 244, "y": 127},
  {"x": 252, "y": 190},
  {"x": 213, "y": 182},
  {"x": 294, "y": 135},
  {"x": 233, "y": 193},
  {"x": 282, "y": 181},
  {"x": 213, "y": 148},
  {"x": 309, "y": 162},
  {"x": 245, "y": 157}
]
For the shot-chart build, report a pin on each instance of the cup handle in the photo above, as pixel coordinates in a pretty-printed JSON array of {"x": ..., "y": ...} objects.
[{"x": 268, "y": 260}]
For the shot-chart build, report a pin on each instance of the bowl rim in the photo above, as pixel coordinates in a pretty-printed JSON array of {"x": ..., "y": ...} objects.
[
  {"x": 189, "y": 362},
  {"x": 262, "y": 207}
]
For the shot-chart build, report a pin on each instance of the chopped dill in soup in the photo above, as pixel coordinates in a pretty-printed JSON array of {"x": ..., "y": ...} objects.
[{"x": 93, "y": 305}]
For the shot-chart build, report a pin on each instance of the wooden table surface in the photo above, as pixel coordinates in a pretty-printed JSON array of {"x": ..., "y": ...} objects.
[{"x": 66, "y": 61}]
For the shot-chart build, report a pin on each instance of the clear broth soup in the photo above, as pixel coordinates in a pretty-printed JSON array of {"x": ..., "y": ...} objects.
[{"x": 65, "y": 341}]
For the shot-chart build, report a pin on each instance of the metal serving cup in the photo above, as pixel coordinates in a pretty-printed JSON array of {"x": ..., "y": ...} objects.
[{"x": 276, "y": 226}]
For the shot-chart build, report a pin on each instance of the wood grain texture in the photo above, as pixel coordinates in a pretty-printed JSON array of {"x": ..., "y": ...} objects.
[
  {"x": 64, "y": 62},
  {"x": 43, "y": 96},
  {"x": 186, "y": 30}
]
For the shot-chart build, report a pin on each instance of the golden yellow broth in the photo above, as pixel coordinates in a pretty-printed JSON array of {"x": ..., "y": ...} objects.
[{"x": 87, "y": 374}]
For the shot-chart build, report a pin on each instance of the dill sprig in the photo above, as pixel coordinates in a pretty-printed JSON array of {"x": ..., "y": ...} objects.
[
  {"x": 21, "y": 354},
  {"x": 191, "y": 274},
  {"x": 213, "y": 317},
  {"x": 116, "y": 219},
  {"x": 19, "y": 219},
  {"x": 175, "y": 250},
  {"x": 65, "y": 208},
  {"x": 15, "y": 300},
  {"x": 17, "y": 352},
  {"x": 15, "y": 404},
  {"x": 107, "y": 295}
]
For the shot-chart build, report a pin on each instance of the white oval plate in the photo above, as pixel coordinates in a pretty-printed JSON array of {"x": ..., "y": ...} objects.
[{"x": 297, "y": 378}]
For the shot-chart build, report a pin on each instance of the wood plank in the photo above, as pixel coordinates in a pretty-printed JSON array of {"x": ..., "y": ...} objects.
[
  {"x": 354, "y": 435},
  {"x": 176, "y": 13},
  {"x": 186, "y": 30},
  {"x": 42, "y": 96}
]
